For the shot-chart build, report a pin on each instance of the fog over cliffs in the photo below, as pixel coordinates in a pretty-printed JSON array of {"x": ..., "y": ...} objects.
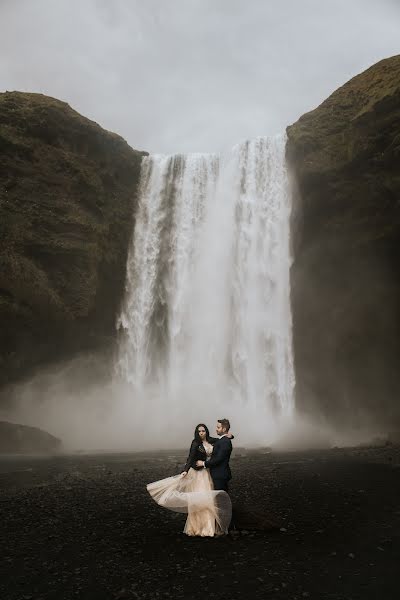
[{"x": 60, "y": 307}]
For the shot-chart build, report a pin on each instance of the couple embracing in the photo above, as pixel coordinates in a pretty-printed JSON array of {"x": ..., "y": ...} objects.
[{"x": 201, "y": 490}]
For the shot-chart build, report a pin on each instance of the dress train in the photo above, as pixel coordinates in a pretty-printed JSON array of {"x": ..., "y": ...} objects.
[{"x": 209, "y": 511}]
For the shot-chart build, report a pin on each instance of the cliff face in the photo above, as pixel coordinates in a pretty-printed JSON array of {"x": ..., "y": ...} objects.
[
  {"x": 345, "y": 160},
  {"x": 67, "y": 197}
]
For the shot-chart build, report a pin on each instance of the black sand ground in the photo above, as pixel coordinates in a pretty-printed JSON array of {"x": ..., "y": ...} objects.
[{"x": 85, "y": 527}]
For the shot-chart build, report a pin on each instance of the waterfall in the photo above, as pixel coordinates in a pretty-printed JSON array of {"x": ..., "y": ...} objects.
[{"x": 205, "y": 329}]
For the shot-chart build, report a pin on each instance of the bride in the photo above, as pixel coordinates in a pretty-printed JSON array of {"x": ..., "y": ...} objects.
[{"x": 209, "y": 511}]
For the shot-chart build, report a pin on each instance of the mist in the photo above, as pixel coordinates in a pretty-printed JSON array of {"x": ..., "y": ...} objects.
[
  {"x": 89, "y": 415},
  {"x": 192, "y": 75},
  {"x": 179, "y": 77},
  {"x": 205, "y": 327}
]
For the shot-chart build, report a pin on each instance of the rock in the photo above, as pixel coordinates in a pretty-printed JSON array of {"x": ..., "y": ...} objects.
[
  {"x": 344, "y": 157},
  {"x": 16, "y": 438},
  {"x": 67, "y": 198}
]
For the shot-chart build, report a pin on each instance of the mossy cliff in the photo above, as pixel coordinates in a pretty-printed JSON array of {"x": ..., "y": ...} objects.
[
  {"x": 345, "y": 161},
  {"x": 67, "y": 197}
]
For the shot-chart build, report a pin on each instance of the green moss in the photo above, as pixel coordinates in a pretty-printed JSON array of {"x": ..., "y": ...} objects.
[
  {"x": 346, "y": 239},
  {"x": 65, "y": 186}
]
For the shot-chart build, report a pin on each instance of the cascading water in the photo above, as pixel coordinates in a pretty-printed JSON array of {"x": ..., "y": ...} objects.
[{"x": 205, "y": 330}]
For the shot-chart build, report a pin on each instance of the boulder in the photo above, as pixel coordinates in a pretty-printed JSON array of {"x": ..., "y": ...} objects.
[{"x": 15, "y": 439}]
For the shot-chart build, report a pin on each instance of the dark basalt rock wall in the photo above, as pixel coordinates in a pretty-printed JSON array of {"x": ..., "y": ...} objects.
[
  {"x": 345, "y": 161},
  {"x": 67, "y": 198}
]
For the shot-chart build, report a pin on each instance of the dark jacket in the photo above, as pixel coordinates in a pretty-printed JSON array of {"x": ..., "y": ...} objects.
[
  {"x": 218, "y": 462},
  {"x": 197, "y": 452}
]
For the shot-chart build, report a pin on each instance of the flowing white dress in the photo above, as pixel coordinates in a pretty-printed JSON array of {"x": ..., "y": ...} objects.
[{"x": 209, "y": 511}]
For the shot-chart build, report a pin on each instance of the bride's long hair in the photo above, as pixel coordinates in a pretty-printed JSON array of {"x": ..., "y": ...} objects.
[{"x": 196, "y": 432}]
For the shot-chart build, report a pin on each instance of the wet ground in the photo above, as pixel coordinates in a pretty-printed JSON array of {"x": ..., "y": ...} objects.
[{"x": 85, "y": 527}]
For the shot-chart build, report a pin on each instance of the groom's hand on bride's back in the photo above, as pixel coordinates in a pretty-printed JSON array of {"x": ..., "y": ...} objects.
[{"x": 184, "y": 473}]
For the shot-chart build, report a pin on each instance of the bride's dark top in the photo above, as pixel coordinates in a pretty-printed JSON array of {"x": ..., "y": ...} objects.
[{"x": 197, "y": 452}]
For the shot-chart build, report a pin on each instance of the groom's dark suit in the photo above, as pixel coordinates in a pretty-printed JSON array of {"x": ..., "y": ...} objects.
[{"x": 218, "y": 463}]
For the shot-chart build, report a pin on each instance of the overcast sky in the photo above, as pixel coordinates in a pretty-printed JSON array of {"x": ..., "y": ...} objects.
[{"x": 192, "y": 75}]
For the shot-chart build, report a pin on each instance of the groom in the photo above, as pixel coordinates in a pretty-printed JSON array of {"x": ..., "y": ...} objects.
[{"x": 218, "y": 462}]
